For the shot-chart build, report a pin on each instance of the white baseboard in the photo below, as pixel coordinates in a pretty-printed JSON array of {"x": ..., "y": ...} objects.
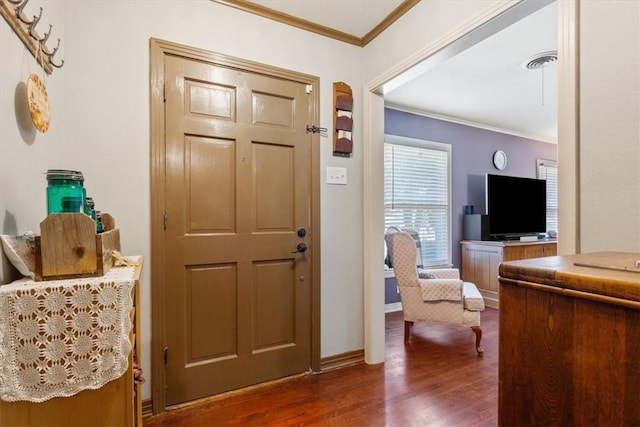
[{"x": 392, "y": 307}]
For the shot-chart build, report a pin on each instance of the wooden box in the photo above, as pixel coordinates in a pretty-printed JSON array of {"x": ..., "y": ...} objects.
[{"x": 68, "y": 247}]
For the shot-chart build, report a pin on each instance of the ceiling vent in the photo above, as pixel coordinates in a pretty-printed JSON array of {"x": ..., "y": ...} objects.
[{"x": 540, "y": 60}]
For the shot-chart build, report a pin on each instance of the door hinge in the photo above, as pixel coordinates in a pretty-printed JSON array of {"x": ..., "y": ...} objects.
[
  {"x": 164, "y": 220},
  {"x": 309, "y": 89},
  {"x": 164, "y": 92},
  {"x": 166, "y": 356}
]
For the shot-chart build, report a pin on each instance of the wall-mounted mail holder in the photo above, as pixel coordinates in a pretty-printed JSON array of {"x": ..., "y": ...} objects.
[{"x": 342, "y": 120}]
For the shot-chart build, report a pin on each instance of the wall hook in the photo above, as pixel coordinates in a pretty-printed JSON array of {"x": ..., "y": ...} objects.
[
  {"x": 32, "y": 25},
  {"x": 43, "y": 40},
  {"x": 19, "y": 14},
  {"x": 50, "y": 53}
]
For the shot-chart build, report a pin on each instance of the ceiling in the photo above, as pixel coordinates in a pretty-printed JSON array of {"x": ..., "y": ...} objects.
[
  {"x": 484, "y": 85},
  {"x": 337, "y": 15}
]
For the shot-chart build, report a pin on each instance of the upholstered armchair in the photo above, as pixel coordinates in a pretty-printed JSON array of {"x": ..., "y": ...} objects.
[{"x": 439, "y": 296}]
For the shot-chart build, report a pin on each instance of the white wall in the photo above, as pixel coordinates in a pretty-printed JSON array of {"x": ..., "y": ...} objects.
[
  {"x": 610, "y": 125},
  {"x": 426, "y": 23},
  {"x": 100, "y": 125},
  {"x": 24, "y": 153}
]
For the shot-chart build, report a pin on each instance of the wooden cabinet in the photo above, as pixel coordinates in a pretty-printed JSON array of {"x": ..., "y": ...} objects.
[
  {"x": 569, "y": 345},
  {"x": 117, "y": 403},
  {"x": 480, "y": 261}
]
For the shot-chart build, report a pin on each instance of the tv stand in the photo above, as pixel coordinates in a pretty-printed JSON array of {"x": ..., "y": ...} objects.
[
  {"x": 480, "y": 261},
  {"x": 514, "y": 238}
]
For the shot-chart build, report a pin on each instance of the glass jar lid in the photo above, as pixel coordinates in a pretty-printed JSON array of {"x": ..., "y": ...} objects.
[{"x": 59, "y": 174}]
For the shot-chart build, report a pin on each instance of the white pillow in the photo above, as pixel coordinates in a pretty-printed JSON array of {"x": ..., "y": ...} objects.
[{"x": 20, "y": 250}]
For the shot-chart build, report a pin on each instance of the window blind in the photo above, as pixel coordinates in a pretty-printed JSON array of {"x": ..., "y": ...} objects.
[
  {"x": 416, "y": 197},
  {"x": 548, "y": 170}
]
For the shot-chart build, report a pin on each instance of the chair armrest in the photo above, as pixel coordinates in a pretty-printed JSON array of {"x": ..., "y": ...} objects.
[
  {"x": 441, "y": 289},
  {"x": 443, "y": 273},
  {"x": 473, "y": 300}
]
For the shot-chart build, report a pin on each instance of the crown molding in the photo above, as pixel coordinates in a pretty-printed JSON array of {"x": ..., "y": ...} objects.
[
  {"x": 404, "y": 7},
  {"x": 303, "y": 24},
  {"x": 469, "y": 123}
]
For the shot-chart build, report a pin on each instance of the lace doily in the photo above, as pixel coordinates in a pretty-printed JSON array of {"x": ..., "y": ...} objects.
[{"x": 60, "y": 337}]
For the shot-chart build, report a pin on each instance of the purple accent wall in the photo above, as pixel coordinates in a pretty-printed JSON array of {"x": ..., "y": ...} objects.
[
  {"x": 391, "y": 290},
  {"x": 471, "y": 159}
]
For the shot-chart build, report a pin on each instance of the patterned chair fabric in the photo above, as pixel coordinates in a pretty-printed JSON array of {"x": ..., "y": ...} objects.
[
  {"x": 445, "y": 299},
  {"x": 441, "y": 289}
]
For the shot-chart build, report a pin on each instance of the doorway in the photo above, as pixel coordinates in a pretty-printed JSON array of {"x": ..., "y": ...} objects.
[
  {"x": 373, "y": 218},
  {"x": 235, "y": 223}
]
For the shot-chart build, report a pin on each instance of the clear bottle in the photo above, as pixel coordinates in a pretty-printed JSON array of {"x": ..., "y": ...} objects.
[
  {"x": 99, "y": 223},
  {"x": 89, "y": 207},
  {"x": 65, "y": 191}
]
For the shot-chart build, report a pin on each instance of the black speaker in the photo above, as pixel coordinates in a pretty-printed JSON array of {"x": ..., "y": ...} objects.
[{"x": 475, "y": 227}]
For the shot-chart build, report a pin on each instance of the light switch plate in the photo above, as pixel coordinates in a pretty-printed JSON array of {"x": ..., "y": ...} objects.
[{"x": 336, "y": 176}]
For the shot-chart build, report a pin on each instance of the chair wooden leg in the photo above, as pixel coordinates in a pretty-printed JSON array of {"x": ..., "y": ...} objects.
[
  {"x": 407, "y": 330},
  {"x": 478, "y": 332}
]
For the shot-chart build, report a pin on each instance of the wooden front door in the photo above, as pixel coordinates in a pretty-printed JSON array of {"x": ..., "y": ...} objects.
[{"x": 237, "y": 293}]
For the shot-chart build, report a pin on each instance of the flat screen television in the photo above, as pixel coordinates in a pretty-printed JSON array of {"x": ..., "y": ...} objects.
[{"x": 516, "y": 206}]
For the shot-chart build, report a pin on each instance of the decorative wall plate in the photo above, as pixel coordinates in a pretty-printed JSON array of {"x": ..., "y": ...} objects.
[{"x": 38, "y": 103}]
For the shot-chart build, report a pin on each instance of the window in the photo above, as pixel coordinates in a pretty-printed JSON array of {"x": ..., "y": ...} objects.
[
  {"x": 417, "y": 194},
  {"x": 548, "y": 170}
]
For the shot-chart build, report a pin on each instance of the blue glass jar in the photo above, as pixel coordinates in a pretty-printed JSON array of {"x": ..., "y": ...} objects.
[{"x": 65, "y": 191}]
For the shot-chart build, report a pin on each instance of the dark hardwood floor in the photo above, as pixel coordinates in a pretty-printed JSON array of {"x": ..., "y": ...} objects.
[{"x": 437, "y": 380}]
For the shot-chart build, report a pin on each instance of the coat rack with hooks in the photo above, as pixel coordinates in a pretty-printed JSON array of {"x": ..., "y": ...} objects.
[{"x": 12, "y": 11}]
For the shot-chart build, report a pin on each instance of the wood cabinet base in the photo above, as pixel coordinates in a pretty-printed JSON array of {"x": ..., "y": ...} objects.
[
  {"x": 107, "y": 406},
  {"x": 569, "y": 344},
  {"x": 117, "y": 403},
  {"x": 480, "y": 261}
]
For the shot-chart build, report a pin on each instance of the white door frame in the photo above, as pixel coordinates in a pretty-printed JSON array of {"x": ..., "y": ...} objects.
[{"x": 373, "y": 179}]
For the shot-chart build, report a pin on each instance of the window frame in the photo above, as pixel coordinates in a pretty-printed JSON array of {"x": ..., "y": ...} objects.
[
  {"x": 437, "y": 146},
  {"x": 549, "y": 164}
]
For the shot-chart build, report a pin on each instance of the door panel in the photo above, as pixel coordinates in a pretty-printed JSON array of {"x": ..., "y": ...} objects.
[
  {"x": 273, "y": 110},
  {"x": 274, "y": 184},
  {"x": 238, "y": 183},
  {"x": 210, "y": 160},
  {"x": 275, "y": 305},
  {"x": 210, "y": 100},
  {"x": 207, "y": 287}
]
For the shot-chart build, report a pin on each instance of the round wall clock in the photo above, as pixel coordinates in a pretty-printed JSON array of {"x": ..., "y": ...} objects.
[{"x": 500, "y": 160}]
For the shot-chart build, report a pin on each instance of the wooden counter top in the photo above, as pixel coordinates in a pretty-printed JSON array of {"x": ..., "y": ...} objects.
[
  {"x": 606, "y": 274},
  {"x": 569, "y": 352}
]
